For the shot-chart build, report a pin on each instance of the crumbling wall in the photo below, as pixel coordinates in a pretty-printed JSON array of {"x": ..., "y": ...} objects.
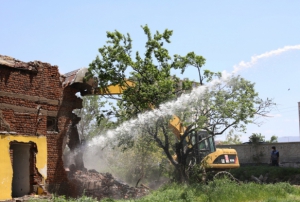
[
  {"x": 66, "y": 119},
  {"x": 36, "y": 105},
  {"x": 35, "y": 102},
  {"x": 22, "y": 91}
]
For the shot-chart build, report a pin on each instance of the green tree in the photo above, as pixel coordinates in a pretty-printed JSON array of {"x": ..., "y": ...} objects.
[
  {"x": 227, "y": 103},
  {"x": 232, "y": 138},
  {"x": 151, "y": 74},
  {"x": 273, "y": 139},
  {"x": 256, "y": 138},
  {"x": 90, "y": 125}
]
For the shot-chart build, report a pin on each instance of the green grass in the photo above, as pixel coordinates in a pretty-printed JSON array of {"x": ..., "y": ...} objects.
[
  {"x": 226, "y": 191},
  {"x": 222, "y": 190},
  {"x": 274, "y": 173}
]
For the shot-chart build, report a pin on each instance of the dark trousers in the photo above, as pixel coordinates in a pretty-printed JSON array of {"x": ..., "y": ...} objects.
[{"x": 275, "y": 163}]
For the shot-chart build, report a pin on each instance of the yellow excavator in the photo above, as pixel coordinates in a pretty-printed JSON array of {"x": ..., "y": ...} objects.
[{"x": 205, "y": 150}]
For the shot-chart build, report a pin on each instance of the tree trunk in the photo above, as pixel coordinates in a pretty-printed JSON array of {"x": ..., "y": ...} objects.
[{"x": 181, "y": 167}]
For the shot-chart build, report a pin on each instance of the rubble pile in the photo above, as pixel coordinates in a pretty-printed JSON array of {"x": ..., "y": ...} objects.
[{"x": 102, "y": 185}]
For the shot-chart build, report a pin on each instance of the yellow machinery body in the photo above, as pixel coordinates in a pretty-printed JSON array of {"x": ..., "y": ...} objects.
[{"x": 222, "y": 159}]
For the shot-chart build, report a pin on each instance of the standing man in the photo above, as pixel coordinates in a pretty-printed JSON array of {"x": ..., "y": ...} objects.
[{"x": 274, "y": 157}]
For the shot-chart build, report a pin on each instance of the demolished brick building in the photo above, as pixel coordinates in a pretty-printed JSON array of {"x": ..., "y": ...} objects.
[{"x": 36, "y": 122}]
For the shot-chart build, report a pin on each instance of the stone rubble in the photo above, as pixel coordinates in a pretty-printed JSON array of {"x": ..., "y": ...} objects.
[{"x": 102, "y": 185}]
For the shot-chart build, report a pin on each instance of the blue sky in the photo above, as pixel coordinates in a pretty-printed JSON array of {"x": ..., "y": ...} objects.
[{"x": 69, "y": 33}]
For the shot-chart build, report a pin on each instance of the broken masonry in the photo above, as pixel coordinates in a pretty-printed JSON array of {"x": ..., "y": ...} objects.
[{"x": 36, "y": 123}]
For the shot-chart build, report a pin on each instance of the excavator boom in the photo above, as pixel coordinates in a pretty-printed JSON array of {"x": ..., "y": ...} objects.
[{"x": 220, "y": 159}]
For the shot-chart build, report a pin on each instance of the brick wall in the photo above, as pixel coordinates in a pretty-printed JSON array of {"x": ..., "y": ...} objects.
[{"x": 30, "y": 93}]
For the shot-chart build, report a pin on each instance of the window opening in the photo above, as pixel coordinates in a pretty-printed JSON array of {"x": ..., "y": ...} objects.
[{"x": 52, "y": 124}]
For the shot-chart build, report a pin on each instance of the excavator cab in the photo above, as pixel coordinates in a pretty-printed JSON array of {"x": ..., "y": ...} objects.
[
  {"x": 204, "y": 148},
  {"x": 203, "y": 144}
]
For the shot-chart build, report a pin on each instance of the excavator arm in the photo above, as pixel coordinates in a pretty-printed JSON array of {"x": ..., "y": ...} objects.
[
  {"x": 114, "y": 89},
  {"x": 175, "y": 123},
  {"x": 219, "y": 159}
]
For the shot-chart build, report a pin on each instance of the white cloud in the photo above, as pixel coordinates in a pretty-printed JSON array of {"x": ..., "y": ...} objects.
[
  {"x": 274, "y": 115},
  {"x": 244, "y": 65}
]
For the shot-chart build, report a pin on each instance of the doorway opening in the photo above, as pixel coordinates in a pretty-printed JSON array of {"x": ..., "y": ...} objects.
[{"x": 22, "y": 159}]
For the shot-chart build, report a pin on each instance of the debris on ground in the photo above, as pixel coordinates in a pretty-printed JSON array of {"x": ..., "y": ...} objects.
[
  {"x": 33, "y": 197},
  {"x": 103, "y": 185}
]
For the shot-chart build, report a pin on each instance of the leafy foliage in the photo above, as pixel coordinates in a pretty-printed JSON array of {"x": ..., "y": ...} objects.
[
  {"x": 151, "y": 74},
  {"x": 226, "y": 103},
  {"x": 273, "y": 139},
  {"x": 88, "y": 126},
  {"x": 232, "y": 138},
  {"x": 256, "y": 138}
]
